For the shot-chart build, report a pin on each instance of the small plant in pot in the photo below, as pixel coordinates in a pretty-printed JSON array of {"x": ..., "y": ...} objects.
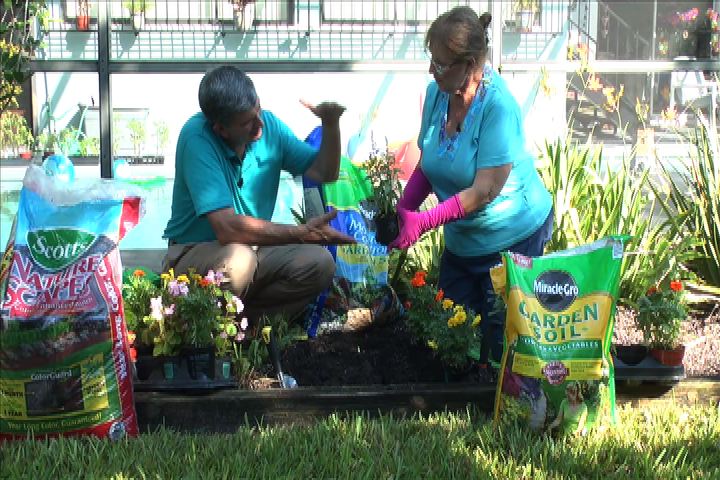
[
  {"x": 661, "y": 312},
  {"x": 178, "y": 318},
  {"x": 384, "y": 177}
]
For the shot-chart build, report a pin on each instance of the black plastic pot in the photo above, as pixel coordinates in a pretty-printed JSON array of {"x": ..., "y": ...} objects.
[
  {"x": 631, "y": 354},
  {"x": 386, "y": 228},
  {"x": 200, "y": 362}
]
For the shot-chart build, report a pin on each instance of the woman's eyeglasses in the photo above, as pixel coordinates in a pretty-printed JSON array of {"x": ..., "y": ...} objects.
[{"x": 439, "y": 68}]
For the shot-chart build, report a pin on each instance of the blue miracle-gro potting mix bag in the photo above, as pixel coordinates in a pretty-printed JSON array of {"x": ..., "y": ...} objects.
[
  {"x": 64, "y": 358},
  {"x": 556, "y": 373}
]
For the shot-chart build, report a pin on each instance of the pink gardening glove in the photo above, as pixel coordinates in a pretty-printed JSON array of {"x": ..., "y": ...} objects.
[
  {"x": 414, "y": 224},
  {"x": 416, "y": 190}
]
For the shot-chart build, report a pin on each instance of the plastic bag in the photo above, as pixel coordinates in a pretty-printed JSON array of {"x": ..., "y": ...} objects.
[
  {"x": 64, "y": 358},
  {"x": 556, "y": 370}
]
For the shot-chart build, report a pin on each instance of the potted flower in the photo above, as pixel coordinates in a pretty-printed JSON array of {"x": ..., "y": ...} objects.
[
  {"x": 179, "y": 319},
  {"x": 661, "y": 312},
  {"x": 384, "y": 178},
  {"x": 448, "y": 329},
  {"x": 83, "y": 15}
]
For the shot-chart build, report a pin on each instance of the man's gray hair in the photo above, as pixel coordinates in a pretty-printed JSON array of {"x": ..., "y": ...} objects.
[{"x": 224, "y": 92}]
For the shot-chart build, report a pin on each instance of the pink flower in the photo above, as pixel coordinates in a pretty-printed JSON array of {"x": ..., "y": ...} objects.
[
  {"x": 170, "y": 310},
  {"x": 240, "y": 337},
  {"x": 244, "y": 323}
]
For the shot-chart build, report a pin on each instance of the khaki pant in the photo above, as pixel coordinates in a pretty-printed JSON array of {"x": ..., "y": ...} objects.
[{"x": 269, "y": 280}]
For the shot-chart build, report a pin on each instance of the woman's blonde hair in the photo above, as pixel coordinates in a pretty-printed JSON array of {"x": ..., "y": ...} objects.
[{"x": 462, "y": 32}]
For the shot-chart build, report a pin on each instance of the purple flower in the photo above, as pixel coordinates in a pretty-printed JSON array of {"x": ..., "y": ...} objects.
[
  {"x": 223, "y": 335},
  {"x": 177, "y": 288}
]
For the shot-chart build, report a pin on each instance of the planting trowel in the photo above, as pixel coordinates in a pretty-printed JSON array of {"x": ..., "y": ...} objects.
[{"x": 286, "y": 381}]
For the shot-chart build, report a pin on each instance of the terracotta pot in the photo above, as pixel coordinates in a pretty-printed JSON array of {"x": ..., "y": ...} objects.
[
  {"x": 669, "y": 358},
  {"x": 631, "y": 354},
  {"x": 386, "y": 228},
  {"x": 83, "y": 22},
  {"x": 26, "y": 155}
]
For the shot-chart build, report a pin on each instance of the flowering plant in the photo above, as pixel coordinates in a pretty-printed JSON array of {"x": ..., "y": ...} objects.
[
  {"x": 182, "y": 311},
  {"x": 660, "y": 314},
  {"x": 384, "y": 177},
  {"x": 449, "y": 329}
]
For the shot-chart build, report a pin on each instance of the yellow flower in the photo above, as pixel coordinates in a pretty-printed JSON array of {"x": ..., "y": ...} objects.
[
  {"x": 447, "y": 304},
  {"x": 477, "y": 320},
  {"x": 432, "y": 344},
  {"x": 460, "y": 317},
  {"x": 196, "y": 277},
  {"x": 459, "y": 308},
  {"x": 165, "y": 276},
  {"x": 183, "y": 279}
]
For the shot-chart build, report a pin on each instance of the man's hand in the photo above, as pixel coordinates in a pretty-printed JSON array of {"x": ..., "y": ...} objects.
[
  {"x": 317, "y": 230},
  {"x": 327, "y": 112}
]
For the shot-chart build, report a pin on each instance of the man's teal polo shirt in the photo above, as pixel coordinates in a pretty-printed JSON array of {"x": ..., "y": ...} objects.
[{"x": 208, "y": 174}]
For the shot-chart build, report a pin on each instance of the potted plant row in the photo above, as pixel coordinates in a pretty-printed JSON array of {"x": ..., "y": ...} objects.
[
  {"x": 660, "y": 313},
  {"x": 185, "y": 328}
]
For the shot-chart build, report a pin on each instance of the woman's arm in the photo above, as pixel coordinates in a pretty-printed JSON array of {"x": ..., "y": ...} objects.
[{"x": 486, "y": 186}]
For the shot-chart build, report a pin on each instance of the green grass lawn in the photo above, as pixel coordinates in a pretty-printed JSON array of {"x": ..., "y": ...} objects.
[{"x": 653, "y": 442}]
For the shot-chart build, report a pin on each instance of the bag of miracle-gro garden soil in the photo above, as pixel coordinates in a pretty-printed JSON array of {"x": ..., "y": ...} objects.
[
  {"x": 557, "y": 373},
  {"x": 64, "y": 358}
]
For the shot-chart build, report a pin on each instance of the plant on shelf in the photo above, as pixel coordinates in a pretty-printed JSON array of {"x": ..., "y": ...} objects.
[
  {"x": 17, "y": 46},
  {"x": 137, "y": 10},
  {"x": 661, "y": 312},
  {"x": 16, "y": 139},
  {"x": 137, "y": 135},
  {"x": 83, "y": 15},
  {"x": 162, "y": 136},
  {"x": 383, "y": 175},
  {"x": 525, "y": 11},
  {"x": 243, "y": 13},
  {"x": 448, "y": 329}
]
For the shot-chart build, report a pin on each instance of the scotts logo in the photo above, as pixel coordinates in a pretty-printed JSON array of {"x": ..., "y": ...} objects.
[
  {"x": 58, "y": 248},
  {"x": 555, "y": 372},
  {"x": 555, "y": 290}
]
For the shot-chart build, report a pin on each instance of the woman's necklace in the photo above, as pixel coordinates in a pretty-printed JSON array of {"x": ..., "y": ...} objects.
[{"x": 448, "y": 143}]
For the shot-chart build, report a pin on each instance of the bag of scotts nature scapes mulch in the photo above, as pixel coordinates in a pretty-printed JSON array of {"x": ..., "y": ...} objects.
[
  {"x": 64, "y": 357},
  {"x": 557, "y": 373}
]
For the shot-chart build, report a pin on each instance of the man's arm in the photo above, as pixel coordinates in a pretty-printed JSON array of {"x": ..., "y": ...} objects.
[
  {"x": 230, "y": 227},
  {"x": 326, "y": 166}
]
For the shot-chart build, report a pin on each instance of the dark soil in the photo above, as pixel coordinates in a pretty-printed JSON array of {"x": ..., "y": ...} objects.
[
  {"x": 379, "y": 355},
  {"x": 385, "y": 355}
]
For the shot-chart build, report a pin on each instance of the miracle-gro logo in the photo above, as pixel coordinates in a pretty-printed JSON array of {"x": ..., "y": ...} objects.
[
  {"x": 555, "y": 290},
  {"x": 57, "y": 248}
]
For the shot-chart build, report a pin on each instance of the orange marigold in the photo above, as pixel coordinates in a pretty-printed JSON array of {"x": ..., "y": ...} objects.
[
  {"x": 139, "y": 273},
  {"x": 204, "y": 282},
  {"x": 419, "y": 279},
  {"x": 676, "y": 285},
  {"x": 440, "y": 295}
]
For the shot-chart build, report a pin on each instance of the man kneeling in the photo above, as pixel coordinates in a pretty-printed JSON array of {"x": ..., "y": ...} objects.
[{"x": 227, "y": 171}]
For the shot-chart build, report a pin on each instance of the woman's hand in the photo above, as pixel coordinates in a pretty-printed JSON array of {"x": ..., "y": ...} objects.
[{"x": 410, "y": 229}]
